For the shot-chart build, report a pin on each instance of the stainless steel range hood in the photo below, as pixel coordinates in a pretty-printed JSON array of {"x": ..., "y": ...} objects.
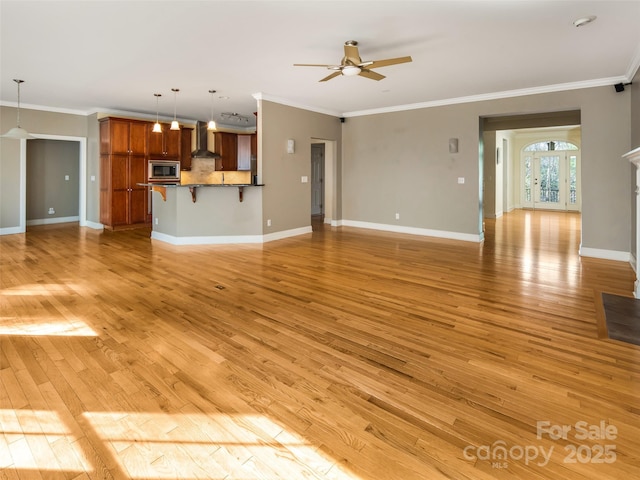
[{"x": 202, "y": 150}]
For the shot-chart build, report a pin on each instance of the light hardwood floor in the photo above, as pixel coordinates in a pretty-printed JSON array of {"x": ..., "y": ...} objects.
[{"x": 341, "y": 354}]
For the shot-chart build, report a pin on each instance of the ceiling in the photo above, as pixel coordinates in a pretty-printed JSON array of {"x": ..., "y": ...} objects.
[{"x": 112, "y": 56}]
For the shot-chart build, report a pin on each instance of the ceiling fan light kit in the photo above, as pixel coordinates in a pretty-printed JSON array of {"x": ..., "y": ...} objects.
[
  {"x": 352, "y": 65},
  {"x": 351, "y": 70}
]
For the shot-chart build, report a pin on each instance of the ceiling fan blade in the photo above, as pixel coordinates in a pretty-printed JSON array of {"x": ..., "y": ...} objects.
[
  {"x": 351, "y": 55},
  {"x": 312, "y": 65},
  {"x": 333, "y": 75},
  {"x": 371, "y": 75},
  {"x": 389, "y": 61}
]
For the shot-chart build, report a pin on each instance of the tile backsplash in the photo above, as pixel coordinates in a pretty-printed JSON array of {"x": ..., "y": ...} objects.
[{"x": 203, "y": 171}]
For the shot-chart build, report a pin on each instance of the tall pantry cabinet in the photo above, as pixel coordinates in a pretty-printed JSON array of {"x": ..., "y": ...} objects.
[{"x": 123, "y": 164}]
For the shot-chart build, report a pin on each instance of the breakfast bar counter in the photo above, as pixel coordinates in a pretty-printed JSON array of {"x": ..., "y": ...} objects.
[
  {"x": 162, "y": 187},
  {"x": 201, "y": 213}
]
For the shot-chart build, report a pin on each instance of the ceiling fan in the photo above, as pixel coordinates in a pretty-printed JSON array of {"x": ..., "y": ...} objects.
[{"x": 352, "y": 64}]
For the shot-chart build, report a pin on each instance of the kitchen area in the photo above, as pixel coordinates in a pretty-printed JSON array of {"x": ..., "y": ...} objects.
[{"x": 190, "y": 185}]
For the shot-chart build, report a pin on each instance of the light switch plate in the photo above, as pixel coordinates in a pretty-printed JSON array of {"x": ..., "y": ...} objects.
[
  {"x": 460, "y": 180},
  {"x": 304, "y": 179}
]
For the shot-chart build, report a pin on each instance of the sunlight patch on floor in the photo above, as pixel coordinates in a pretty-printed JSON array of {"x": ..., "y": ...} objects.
[
  {"x": 197, "y": 445},
  {"x": 41, "y": 327},
  {"x": 48, "y": 289},
  {"x": 38, "y": 440}
]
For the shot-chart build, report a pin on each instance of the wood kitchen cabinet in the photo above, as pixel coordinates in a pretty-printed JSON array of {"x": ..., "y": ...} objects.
[
  {"x": 185, "y": 148},
  {"x": 122, "y": 136},
  {"x": 164, "y": 145},
  {"x": 244, "y": 152},
  {"x": 226, "y": 145},
  {"x": 123, "y": 164},
  {"x": 123, "y": 203}
]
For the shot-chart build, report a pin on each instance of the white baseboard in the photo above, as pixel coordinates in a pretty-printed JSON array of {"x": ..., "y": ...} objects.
[
  {"x": 94, "y": 225},
  {"x": 286, "y": 234},
  {"x": 426, "y": 232},
  {"x": 228, "y": 239},
  {"x": 11, "y": 230},
  {"x": 605, "y": 254},
  {"x": 50, "y": 221}
]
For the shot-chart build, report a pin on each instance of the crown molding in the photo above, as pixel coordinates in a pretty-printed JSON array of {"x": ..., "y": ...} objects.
[
  {"x": 563, "y": 87},
  {"x": 633, "y": 66},
  {"x": 44, "y": 108},
  {"x": 290, "y": 103}
]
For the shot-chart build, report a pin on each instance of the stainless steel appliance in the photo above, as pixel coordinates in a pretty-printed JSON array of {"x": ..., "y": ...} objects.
[{"x": 164, "y": 171}]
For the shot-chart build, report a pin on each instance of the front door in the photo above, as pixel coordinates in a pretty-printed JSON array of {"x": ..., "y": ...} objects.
[{"x": 551, "y": 180}]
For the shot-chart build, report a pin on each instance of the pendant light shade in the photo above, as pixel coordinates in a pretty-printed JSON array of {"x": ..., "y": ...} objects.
[
  {"x": 175, "y": 125},
  {"x": 211, "y": 125},
  {"x": 157, "y": 128},
  {"x": 18, "y": 132}
]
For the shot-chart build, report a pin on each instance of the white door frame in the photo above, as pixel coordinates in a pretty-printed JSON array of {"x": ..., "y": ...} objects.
[
  {"x": 82, "y": 201},
  {"x": 330, "y": 180}
]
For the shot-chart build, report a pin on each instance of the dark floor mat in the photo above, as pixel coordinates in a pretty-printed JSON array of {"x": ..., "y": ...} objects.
[{"x": 622, "y": 315}]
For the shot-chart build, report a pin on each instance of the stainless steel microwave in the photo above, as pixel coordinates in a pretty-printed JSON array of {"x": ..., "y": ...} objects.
[{"x": 166, "y": 171}]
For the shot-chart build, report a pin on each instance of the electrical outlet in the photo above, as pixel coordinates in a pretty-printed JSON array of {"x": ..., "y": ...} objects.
[
  {"x": 93, "y": 178},
  {"x": 304, "y": 179},
  {"x": 268, "y": 222},
  {"x": 66, "y": 177},
  {"x": 460, "y": 180},
  {"x": 156, "y": 220},
  {"x": 51, "y": 211},
  {"x": 397, "y": 216}
]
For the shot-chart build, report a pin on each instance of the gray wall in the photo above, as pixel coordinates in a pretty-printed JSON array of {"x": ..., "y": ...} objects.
[
  {"x": 635, "y": 110},
  {"x": 48, "y": 163},
  {"x": 287, "y": 201},
  {"x": 399, "y": 162},
  {"x": 37, "y": 122},
  {"x": 634, "y": 92}
]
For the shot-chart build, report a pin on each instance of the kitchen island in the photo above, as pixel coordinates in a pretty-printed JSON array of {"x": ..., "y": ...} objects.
[{"x": 199, "y": 213}]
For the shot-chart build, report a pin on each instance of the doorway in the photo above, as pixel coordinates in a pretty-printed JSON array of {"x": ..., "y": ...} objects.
[
  {"x": 82, "y": 187},
  {"x": 53, "y": 181},
  {"x": 317, "y": 181}
]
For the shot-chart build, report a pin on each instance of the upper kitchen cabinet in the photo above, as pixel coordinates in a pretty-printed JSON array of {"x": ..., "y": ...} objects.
[
  {"x": 185, "y": 148},
  {"x": 226, "y": 145},
  {"x": 164, "y": 145},
  {"x": 120, "y": 136},
  {"x": 244, "y": 152}
]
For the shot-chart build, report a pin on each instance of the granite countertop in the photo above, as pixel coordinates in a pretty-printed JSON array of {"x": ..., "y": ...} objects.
[{"x": 191, "y": 185}]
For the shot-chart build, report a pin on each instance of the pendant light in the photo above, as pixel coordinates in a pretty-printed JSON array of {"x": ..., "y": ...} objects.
[
  {"x": 18, "y": 132},
  {"x": 175, "y": 125},
  {"x": 211, "y": 125},
  {"x": 157, "y": 128}
]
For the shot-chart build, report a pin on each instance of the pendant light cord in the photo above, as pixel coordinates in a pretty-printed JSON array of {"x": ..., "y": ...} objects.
[
  {"x": 175, "y": 97},
  {"x": 18, "y": 82}
]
